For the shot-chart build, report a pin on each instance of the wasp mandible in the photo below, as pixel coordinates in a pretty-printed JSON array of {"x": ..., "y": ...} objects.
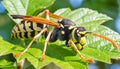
[{"x": 64, "y": 30}]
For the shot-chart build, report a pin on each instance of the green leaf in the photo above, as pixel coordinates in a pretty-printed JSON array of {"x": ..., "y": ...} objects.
[
  {"x": 16, "y": 6},
  {"x": 6, "y": 65},
  {"x": 62, "y": 56},
  {"x": 26, "y": 7},
  {"x": 37, "y": 5},
  {"x": 5, "y": 47}
]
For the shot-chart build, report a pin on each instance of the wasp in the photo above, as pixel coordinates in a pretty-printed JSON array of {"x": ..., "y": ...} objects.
[{"x": 64, "y": 30}]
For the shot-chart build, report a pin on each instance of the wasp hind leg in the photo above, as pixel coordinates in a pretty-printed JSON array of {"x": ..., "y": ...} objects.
[
  {"x": 81, "y": 56},
  {"x": 45, "y": 46}
]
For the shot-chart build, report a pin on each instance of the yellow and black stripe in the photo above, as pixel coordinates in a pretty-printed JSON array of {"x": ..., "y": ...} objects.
[{"x": 26, "y": 29}]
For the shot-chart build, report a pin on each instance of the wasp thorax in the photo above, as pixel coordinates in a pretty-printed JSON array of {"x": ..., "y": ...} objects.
[{"x": 66, "y": 22}]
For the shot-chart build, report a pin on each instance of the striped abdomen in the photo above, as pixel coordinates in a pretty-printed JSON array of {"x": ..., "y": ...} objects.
[{"x": 26, "y": 29}]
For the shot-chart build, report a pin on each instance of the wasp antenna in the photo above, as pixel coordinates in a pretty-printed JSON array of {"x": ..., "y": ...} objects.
[
  {"x": 88, "y": 33},
  {"x": 19, "y": 16},
  {"x": 107, "y": 38}
]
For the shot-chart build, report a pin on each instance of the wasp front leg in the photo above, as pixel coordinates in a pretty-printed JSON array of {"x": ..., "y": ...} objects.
[
  {"x": 81, "y": 56},
  {"x": 47, "y": 13}
]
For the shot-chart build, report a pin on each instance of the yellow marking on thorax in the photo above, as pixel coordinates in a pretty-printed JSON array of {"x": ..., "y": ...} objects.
[
  {"x": 62, "y": 32},
  {"x": 71, "y": 27}
]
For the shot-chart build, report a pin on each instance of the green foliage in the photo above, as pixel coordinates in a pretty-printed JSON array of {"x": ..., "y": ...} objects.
[
  {"x": 66, "y": 58},
  {"x": 24, "y": 7},
  {"x": 59, "y": 4},
  {"x": 6, "y": 65},
  {"x": 104, "y": 7}
]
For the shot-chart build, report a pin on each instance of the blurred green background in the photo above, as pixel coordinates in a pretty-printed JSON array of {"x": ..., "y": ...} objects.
[{"x": 108, "y": 7}]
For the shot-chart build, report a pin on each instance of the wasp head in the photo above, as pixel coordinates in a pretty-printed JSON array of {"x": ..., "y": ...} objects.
[{"x": 79, "y": 37}]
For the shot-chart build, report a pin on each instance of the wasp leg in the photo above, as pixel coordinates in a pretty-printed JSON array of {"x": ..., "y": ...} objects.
[
  {"x": 41, "y": 13},
  {"x": 45, "y": 46},
  {"x": 48, "y": 15},
  {"x": 46, "y": 12},
  {"x": 76, "y": 49},
  {"x": 35, "y": 38}
]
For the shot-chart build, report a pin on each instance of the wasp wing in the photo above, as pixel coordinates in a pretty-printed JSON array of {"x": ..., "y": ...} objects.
[{"x": 37, "y": 20}]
